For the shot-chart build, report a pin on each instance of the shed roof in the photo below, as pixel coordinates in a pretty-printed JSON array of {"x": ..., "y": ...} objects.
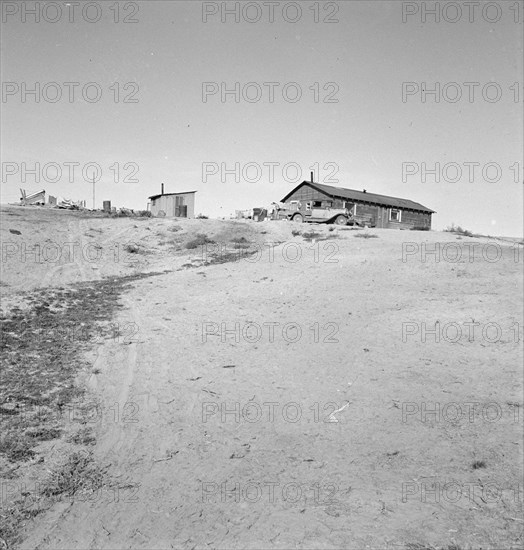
[
  {"x": 168, "y": 194},
  {"x": 362, "y": 196}
]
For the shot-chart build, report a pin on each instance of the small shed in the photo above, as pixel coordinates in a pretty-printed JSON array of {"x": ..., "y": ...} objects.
[
  {"x": 173, "y": 205},
  {"x": 367, "y": 208}
]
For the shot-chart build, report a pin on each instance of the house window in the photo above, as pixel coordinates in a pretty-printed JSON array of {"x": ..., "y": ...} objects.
[
  {"x": 395, "y": 215},
  {"x": 317, "y": 204}
]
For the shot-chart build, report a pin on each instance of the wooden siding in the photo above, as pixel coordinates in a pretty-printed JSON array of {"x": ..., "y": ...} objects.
[
  {"x": 367, "y": 214},
  {"x": 379, "y": 216},
  {"x": 171, "y": 205},
  {"x": 410, "y": 219}
]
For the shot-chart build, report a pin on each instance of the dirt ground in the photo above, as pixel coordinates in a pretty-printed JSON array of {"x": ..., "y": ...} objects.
[{"x": 346, "y": 389}]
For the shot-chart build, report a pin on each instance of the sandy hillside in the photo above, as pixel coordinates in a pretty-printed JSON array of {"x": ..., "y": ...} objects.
[{"x": 284, "y": 399}]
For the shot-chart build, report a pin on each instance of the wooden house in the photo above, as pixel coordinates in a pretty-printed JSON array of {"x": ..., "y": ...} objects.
[{"x": 367, "y": 208}]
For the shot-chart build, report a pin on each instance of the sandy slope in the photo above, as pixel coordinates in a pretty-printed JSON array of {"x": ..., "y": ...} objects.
[{"x": 354, "y": 483}]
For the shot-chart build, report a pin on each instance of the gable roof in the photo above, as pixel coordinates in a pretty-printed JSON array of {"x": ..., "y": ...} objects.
[
  {"x": 168, "y": 194},
  {"x": 360, "y": 196}
]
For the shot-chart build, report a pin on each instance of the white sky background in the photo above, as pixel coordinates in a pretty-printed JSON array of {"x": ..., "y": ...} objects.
[{"x": 170, "y": 132}]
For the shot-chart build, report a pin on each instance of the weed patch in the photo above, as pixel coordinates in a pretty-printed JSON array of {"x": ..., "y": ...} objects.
[
  {"x": 132, "y": 249},
  {"x": 458, "y": 230},
  {"x": 79, "y": 473},
  {"x": 42, "y": 349},
  {"x": 200, "y": 240},
  {"x": 77, "y": 477},
  {"x": 41, "y": 359}
]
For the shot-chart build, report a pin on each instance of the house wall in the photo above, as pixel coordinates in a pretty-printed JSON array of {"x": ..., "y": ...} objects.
[
  {"x": 410, "y": 219},
  {"x": 379, "y": 216},
  {"x": 167, "y": 204},
  {"x": 368, "y": 214}
]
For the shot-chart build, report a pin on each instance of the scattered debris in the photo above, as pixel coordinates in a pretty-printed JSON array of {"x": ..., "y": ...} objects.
[
  {"x": 237, "y": 455},
  {"x": 332, "y": 415},
  {"x": 169, "y": 456}
]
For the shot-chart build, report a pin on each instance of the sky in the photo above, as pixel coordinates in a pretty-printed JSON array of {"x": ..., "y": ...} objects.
[{"x": 242, "y": 105}]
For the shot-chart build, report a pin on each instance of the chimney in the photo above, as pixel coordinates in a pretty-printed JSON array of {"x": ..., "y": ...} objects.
[
  {"x": 312, "y": 177},
  {"x": 162, "y": 189},
  {"x": 363, "y": 190}
]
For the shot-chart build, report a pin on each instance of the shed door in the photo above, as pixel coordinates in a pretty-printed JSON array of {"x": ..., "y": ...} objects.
[{"x": 180, "y": 208}]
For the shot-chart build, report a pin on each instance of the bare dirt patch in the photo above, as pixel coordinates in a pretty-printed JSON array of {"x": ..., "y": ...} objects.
[{"x": 362, "y": 463}]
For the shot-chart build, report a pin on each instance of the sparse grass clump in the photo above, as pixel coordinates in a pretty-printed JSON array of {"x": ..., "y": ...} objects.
[
  {"x": 122, "y": 214},
  {"x": 84, "y": 436},
  {"x": 296, "y": 233},
  {"x": 240, "y": 243},
  {"x": 419, "y": 546},
  {"x": 366, "y": 235},
  {"x": 458, "y": 230},
  {"x": 350, "y": 228},
  {"x": 78, "y": 473},
  {"x": 132, "y": 249},
  {"x": 310, "y": 235},
  {"x": 77, "y": 477},
  {"x": 12, "y": 517},
  {"x": 225, "y": 258},
  {"x": 17, "y": 447},
  {"x": 200, "y": 240}
]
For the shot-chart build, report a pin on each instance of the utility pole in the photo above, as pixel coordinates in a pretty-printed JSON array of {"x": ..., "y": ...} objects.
[{"x": 93, "y": 191}]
